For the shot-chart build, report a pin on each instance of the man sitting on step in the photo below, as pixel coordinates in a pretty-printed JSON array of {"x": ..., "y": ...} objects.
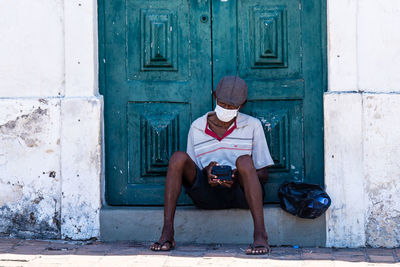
[{"x": 221, "y": 137}]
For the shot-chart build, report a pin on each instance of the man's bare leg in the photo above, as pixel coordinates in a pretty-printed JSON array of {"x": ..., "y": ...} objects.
[
  {"x": 249, "y": 181},
  {"x": 181, "y": 170}
]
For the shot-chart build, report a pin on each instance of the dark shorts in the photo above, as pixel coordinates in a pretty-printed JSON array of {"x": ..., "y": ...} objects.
[{"x": 206, "y": 197}]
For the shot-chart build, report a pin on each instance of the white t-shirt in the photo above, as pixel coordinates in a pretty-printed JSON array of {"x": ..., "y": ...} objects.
[{"x": 244, "y": 137}]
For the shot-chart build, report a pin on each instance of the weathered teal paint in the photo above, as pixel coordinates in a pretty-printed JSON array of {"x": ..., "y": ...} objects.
[{"x": 159, "y": 61}]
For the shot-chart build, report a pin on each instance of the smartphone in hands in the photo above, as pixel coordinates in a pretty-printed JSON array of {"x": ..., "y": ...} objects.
[{"x": 223, "y": 172}]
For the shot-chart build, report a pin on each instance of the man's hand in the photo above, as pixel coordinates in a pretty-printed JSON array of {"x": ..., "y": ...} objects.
[
  {"x": 229, "y": 183},
  {"x": 235, "y": 174},
  {"x": 212, "y": 179}
]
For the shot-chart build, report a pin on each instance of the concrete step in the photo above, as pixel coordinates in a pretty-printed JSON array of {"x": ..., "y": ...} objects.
[{"x": 193, "y": 225}]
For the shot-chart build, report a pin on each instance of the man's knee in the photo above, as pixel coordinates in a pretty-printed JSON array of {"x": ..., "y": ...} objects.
[
  {"x": 244, "y": 163},
  {"x": 178, "y": 159}
]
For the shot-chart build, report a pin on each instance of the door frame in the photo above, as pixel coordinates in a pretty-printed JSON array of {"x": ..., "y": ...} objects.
[{"x": 323, "y": 64}]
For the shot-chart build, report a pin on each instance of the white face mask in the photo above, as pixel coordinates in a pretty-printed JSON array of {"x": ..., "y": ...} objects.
[{"x": 224, "y": 114}]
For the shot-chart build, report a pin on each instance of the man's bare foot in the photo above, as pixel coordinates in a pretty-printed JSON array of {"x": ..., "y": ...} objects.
[
  {"x": 260, "y": 245},
  {"x": 166, "y": 241}
]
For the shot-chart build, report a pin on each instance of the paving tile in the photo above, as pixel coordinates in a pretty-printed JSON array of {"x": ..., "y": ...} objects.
[
  {"x": 224, "y": 251},
  {"x": 5, "y": 248},
  {"x": 379, "y": 251},
  {"x": 348, "y": 251},
  {"x": 285, "y": 253},
  {"x": 317, "y": 254},
  {"x": 34, "y": 243},
  {"x": 245, "y": 256},
  {"x": 12, "y": 241},
  {"x": 286, "y": 257},
  {"x": 398, "y": 253},
  {"x": 317, "y": 250},
  {"x": 94, "y": 249},
  {"x": 60, "y": 248},
  {"x": 350, "y": 258},
  {"x": 95, "y": 253},
  {"x": 127, "y": 244},
  {"x": 124, "y": 252},
  {"x": 188, "y": 247},
  {"x": 381, "y": 258},
  {"x": 219, "y": 254},
  {"x": 180, "y": 253},
  {"x": 31, "y": 247},
  {"x": 140, "y": 251}
]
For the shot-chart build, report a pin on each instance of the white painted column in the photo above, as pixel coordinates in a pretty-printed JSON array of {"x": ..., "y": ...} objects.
[
  {"x": 362, "y": 135},
  {"x": 344, "y": 177},
  {"x": 81, "y": 55},
  {"x": 342, "y": 45},
  {"x": 81, "y": 115}
]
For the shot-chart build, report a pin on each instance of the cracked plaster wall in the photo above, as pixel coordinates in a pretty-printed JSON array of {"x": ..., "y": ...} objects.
[
  {"x": 30, "y": 168},
  {"x": 362, "y": 136},
  {"x": 50, "y": 119}
]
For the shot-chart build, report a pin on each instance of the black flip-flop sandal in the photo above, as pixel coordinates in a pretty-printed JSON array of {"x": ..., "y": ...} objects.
[
  {"x": 171, "y": 246},
  {"x": 252, "y": 247}
]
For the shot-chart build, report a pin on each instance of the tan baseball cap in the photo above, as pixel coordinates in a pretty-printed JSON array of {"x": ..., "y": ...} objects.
[{"x": 231, "y": 90}]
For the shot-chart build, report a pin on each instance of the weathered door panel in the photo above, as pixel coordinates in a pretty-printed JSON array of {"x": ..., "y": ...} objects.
[
  {"x": 263, "y": 42},
  {"x": 158, "y": 79}
]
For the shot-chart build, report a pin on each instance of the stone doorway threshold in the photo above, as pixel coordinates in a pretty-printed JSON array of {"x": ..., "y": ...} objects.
[{"x": 193, "y": 225}]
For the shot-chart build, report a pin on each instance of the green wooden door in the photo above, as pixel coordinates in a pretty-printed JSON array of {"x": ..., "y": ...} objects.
[
  {"x": 159, "y": 61},
  {"x": 278, "y": 50},
  {"x": 157, "y": 75}
]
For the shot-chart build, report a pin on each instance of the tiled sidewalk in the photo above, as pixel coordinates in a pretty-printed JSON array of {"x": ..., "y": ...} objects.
[{"x": 16, "y": 252}]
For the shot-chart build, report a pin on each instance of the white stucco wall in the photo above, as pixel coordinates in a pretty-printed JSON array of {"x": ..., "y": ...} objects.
[
  {"x": 362, "y": 137},
  {"x": 50, "y": 119},
  {"x": 51, "y": 113}
]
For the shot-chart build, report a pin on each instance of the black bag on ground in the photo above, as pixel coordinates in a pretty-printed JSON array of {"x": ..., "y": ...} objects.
[{"x": 303, "y": 200}]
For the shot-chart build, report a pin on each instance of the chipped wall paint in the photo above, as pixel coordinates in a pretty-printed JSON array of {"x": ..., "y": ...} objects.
[
  {"x": 50, "y": 117},
  {"x": 50, "y": 167},
  {"x": 81, "y": 167},
  {"x": 362, "y": 135},
  {"x": 30, "y": 168},
  {"x": 362, "y": 148},
  {"x": 382, "y": 168}
]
